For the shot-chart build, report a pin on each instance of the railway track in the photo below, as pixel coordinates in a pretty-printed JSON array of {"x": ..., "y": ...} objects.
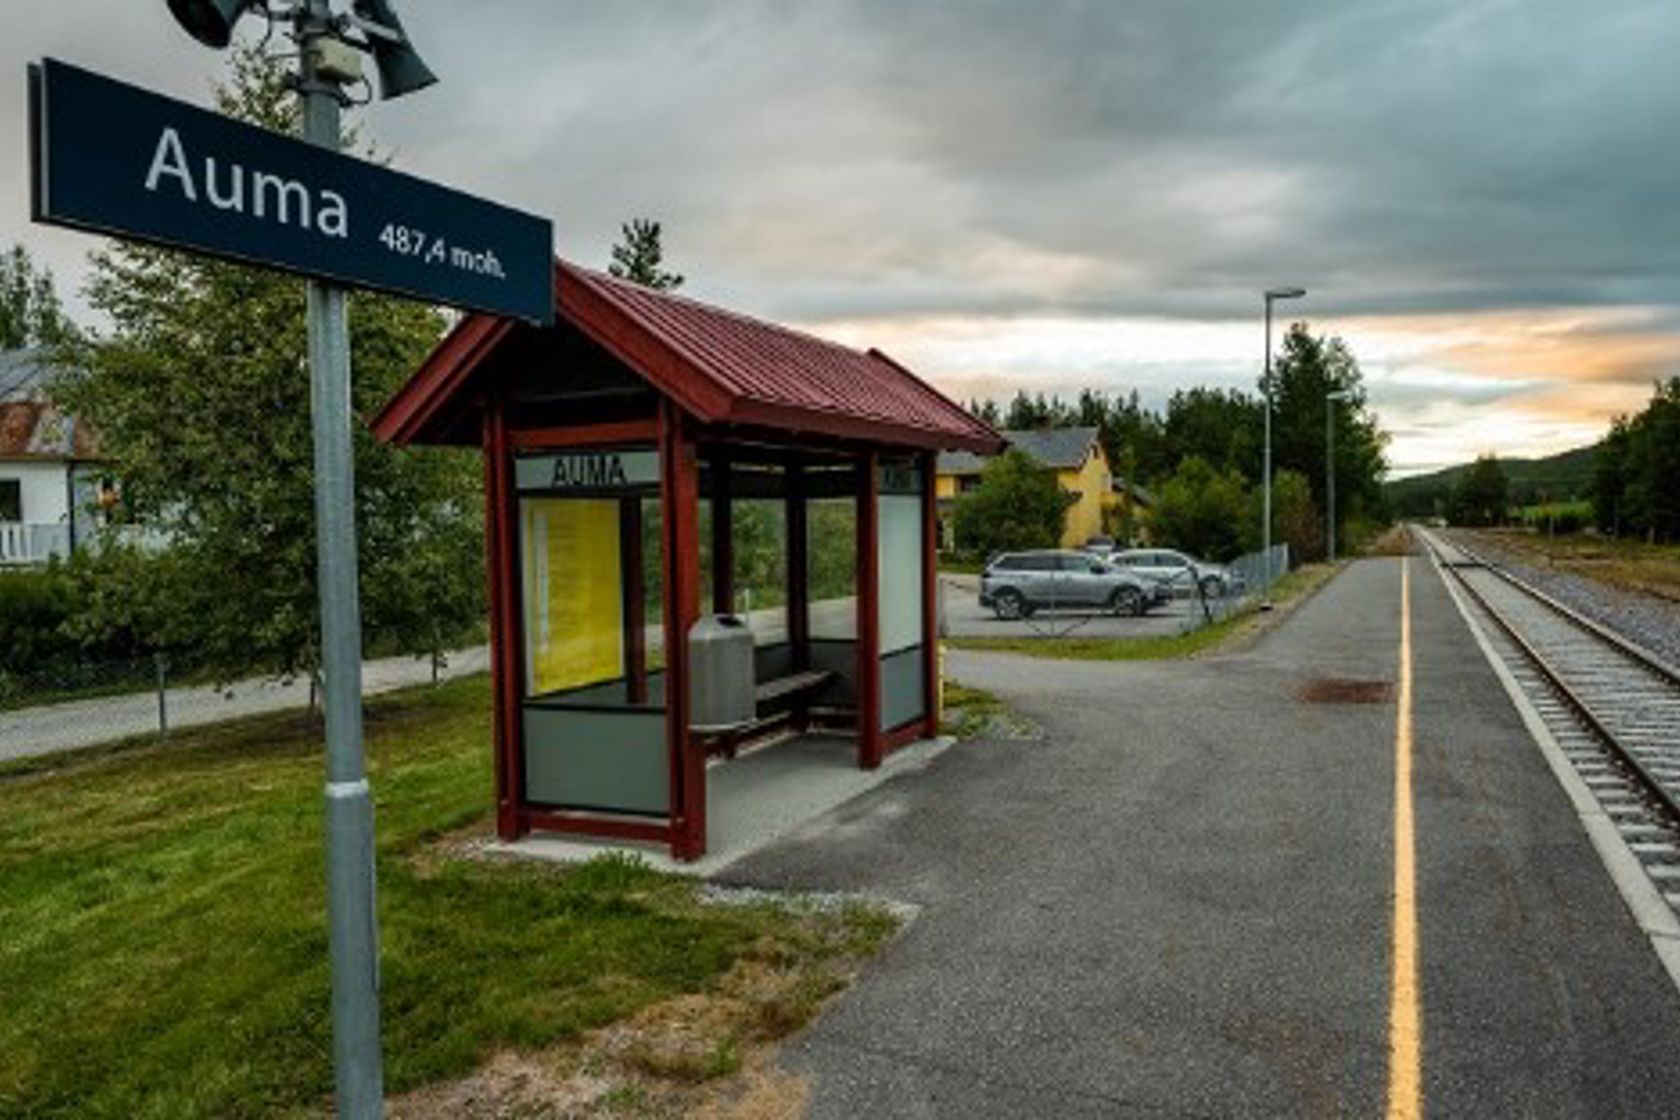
[{"x": 1613, "y": 707}]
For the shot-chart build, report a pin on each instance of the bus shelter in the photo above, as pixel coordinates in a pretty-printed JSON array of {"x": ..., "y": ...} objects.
[{"x": 650, "y": 459}]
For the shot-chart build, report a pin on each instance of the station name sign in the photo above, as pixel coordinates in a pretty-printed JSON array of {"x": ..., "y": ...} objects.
[
  {"x": 587, "y": 470},
  {"x": 111, "y": 158}
]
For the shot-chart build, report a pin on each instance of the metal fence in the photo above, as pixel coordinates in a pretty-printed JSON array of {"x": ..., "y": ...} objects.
[
  {"x": 88, "y": 705},
  {"x": 1211, "y": 597},
  {"x": 1249, "y": 583}
]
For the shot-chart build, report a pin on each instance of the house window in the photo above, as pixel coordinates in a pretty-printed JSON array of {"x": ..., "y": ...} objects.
[{"x": 11, "y": 499}]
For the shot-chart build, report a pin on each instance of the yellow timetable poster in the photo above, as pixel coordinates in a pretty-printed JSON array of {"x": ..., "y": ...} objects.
[{"x": 574, "y": 618}]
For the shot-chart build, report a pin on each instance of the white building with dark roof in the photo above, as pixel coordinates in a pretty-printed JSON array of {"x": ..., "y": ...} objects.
[{"x": 49, "y": 466}]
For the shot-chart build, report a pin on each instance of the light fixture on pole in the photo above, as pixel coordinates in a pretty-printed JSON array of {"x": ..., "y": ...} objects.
[
  {"x": 1330, "y": 400},
  {"x": 327, "y": 64},
  {"x": 1271, "y": 295},
  {"x": 209, "y": 21},
  {"x": 400, "y": 68}
]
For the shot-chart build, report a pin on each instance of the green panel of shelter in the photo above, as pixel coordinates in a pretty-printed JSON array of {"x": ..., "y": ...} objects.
[
  {"x": 615, "y": 761},
  {"x": 903, "y": 689}
]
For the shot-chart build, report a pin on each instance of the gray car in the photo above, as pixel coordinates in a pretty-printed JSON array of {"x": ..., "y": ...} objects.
[
  {"x": 1182, "y": 573},
  {"x": 1016, "y": 584}
]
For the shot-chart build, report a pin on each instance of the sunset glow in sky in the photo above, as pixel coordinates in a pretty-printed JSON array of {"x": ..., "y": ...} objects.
[{"x": 1480, "y": 198}]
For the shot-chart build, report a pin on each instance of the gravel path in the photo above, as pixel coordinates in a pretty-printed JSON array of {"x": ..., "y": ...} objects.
[{"x": 1651, "y": 621}]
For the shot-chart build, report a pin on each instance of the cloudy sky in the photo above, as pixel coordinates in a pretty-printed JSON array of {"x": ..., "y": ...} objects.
[{"x": 1481, "y": 196}]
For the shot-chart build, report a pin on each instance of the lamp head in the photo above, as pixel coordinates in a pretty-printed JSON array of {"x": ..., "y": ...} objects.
[
  {"x": 210, "y": 21},
  {"x": 1285, "y": 293},
  {"x": 1338, "y": 394},
  {"x": 400, "y": 68}
]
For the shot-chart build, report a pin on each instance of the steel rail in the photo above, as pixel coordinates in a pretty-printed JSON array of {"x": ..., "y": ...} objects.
[
  {"x": 1626, "y": 645},
  {"x": 1654, "y": 790}
]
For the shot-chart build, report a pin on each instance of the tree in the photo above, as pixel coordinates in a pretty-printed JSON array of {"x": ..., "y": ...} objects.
[
  {"x": 639, "y": 256},
  {"x": 1636, "y": 475},
  {"x": 1610, "y": 477},
  {"x": 30, "y": 314},
  {"x": 1028, "y": 412},
  {"x": 1653, "y": 466},
  {"x": 1017, "y": 505},
  {"x": 1224, "y": 427},
  {"x": 1296, "y": 521},
  {"x": 1482, "y": 494},
  {"x": 1303, "y": 376},
  {"x": 1135, "y": 440},
  {"x": 200, "y": 393},
  {"x": 1202, "y": 511}
]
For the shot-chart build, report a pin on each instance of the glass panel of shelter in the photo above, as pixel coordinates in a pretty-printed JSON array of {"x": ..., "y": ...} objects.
[
  {"x": 902, "y": 523},
  {"x": 759, "y": 489},
  {"x": 831, "y": 535},
  {"x": 591, "y": 592}
]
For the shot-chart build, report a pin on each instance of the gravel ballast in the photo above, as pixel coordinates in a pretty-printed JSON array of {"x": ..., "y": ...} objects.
[{"x": 1646, "y": 619}]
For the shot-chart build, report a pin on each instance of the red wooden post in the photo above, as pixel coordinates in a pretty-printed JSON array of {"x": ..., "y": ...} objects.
[
  {"x": 930, "y": 601},
  {"x": 500, "y": 542},
  {"x": 869, "y": 615},
  {"x": 681, "y": 498},
  {"x": 723, "y": 534},
  {"x": 798, "y": 568}
]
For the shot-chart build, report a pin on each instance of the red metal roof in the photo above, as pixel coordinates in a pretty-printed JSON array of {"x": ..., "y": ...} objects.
[
  {"x": 33, "y": 429},
  {"x": 720, "y": 366}
]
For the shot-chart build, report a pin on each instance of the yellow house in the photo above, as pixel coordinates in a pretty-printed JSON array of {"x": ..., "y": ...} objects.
[{"x": 1081, "y": 467}]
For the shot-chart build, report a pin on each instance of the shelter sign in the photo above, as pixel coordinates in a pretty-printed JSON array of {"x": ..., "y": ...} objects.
[
  {"x": 588, "y": 470},
  {"x": 112, "y": 158}
]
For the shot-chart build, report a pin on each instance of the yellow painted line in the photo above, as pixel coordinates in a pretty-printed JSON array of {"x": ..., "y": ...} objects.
[{"x": 1405, "y": 1028}]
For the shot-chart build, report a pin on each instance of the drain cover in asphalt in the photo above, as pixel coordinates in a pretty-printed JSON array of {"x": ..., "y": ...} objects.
[{"x": 1341, "y": 690}]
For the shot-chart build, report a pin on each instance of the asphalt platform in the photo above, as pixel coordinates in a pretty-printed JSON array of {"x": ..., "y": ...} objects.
[{"x": 1179, "y": 901}]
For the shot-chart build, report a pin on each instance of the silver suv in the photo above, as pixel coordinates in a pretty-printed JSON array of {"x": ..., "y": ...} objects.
[
  {"x": 1182, "y": 574},
  {"x": 1015, "y": 584}
]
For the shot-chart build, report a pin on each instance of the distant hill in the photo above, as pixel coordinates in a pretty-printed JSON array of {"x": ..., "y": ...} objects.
[{"x": 1558, "y": 478}]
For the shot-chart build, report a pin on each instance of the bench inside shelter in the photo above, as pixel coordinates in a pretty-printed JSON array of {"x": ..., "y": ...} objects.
[{"x": 783, "y": 703}]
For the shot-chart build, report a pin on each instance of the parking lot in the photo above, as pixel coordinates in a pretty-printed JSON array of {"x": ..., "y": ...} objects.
[{"x": 966, "y": 618}]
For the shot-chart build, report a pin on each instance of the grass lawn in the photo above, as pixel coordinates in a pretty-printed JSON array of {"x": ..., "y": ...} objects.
[
  {"x": 1538, "y": 513},
  {"x": 1634, "y": 565},
  {"x": 1291, "y": 588},
  {"x": 163, "y": 939},
  {"x": 965, "y": 711}
]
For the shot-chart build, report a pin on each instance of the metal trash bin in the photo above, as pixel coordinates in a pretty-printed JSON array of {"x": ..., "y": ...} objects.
[{"x": 722, "y": 689}]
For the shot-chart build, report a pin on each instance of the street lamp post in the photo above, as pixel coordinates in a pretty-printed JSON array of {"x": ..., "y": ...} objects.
[
  {"x": 1271, "y": 295},
  {"x": 1330, "y": 400}
]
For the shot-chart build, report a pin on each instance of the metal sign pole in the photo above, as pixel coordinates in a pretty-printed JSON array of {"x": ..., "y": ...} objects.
[
  {"x": 1266, "y": 470},
  {"x": 359, "y": 1081},
  {"x": 1330, "y": 469}
]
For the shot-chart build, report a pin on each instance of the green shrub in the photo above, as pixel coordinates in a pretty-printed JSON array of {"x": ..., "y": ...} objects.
[
  {"x": 1203, "y": 511},
  {"x": 72, "y": 624},
  {"x": 35, "y": 604},
  {"x": 1017, "y": 505}
]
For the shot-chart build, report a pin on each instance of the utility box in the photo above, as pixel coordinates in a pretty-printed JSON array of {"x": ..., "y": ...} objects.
[{"x": 722, "y": 689}]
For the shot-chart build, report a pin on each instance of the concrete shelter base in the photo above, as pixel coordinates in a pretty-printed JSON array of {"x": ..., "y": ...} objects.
[{"x": 751, "y": 801}]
